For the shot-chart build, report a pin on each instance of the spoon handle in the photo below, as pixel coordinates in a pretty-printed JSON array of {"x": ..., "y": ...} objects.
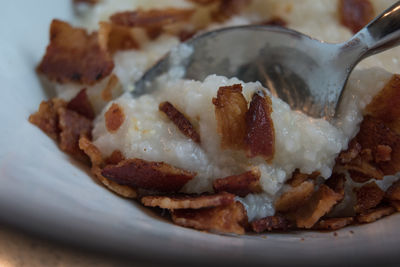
[{"x": 380, "y": 34}]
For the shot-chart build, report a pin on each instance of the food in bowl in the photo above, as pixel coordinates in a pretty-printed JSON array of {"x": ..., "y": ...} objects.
[{"x": 221, "y": 154}]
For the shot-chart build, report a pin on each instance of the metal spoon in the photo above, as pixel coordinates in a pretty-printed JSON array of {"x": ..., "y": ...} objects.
[{"x": 306, "y": 73}]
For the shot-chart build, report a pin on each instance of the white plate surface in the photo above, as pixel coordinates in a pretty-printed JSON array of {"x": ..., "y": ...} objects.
[{"x": 44, "y": 191}]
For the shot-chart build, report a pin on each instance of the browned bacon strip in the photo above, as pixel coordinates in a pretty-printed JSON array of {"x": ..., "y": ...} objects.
[
  {"x": 260, "y": 134},
  {"x": 393, "y": 192},
  {"x": 229, "y": 8},
  {"x": 152, "y": 17},
  {"x": 180, "y": 121},
  {"x": 240, "y": 185},
  {"x": 81, "y": 104},
  {"x": 157, "y": 176},
  {"x": 368, "y": 196},
  {"x": 73, "y": 55},
  {"x": 320, "y": 203},
  {"x": 355, "y": 14},
  {"x": 188, "y": 201},
  {"x": 332, "y": 224},
  {"x": 270, "y": 223},
  {"x": 337, "y": 182},
  {"x": 46, "y": 118},
  {"x": 294, "y": 197},
  {"x": 226, "y": 219},
  {"x": 375, "y": 214},
  {"x": 116, "y": 37},
  {"x": 230, "y": 112}
]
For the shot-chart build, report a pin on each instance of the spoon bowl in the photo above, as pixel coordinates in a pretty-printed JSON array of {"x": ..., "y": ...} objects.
[{"x": 306, "y": 73}]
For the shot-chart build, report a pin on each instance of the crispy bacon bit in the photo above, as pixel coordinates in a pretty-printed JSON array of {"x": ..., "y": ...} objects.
[
  {"x": 114, "y": 117},
  {"x": 383, "y": 153},
  {"x": 180, "y": 121},
  {"x": 73, "y": 55},
  {"x": 122, "y": 190},
  {"x": 189, "y": 202},
  {"x": 151, "y": 18},
  {"x": 185, "y": 35},
  {"x": 393, "y": 192},
  {"x": 275, "y": 21},
  {"x": 351, "y": 153},
  {"x": 115, "y": 158},
  {"x": 320, "y": 203},
  {"x": 298, "y": 178},
  {"x": 46, "y": 118},
  {"x": 295, "y": 197},
  {"x": 112, "y": 84},
  {"x": 91, "y": 150},
  {"x": 395, "y": 204},
  {"x": 260, "y": 134},
  {"x": 73, "y": 126},
  {"x": 270, "y": 223},
  {"x": 373, "y": 132},
  {"x": 332, "y": 224},
  {"x": 240, "y": 185},
  {"x": 384, "y": 105},
  {"x": 230, "y": 112},
  {"x": 226, "y": 219},
  {"x": 229, "y": 8},
  {"x": 368, "y": 196},
  {"x": 157, "y": 176},
  {"x": 115, "y": 37},
  {"x": 375, "y": 214},
  {"x": 355, "y": 14},
  {"x": 337, "y": 182},
  {"x": 81, "y": 104}
]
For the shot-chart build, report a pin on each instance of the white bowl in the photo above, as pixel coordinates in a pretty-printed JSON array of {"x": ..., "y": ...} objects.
[{"x": 45, "y": 191}]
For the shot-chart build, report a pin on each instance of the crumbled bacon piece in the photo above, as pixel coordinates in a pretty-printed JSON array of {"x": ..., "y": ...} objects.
[
  {"x": 355, "y": 14},
  {"x": 116, "y": 37},
  {"x": 114, "y": 118},
  {"x": 260, "y": 133},
  {"x": 270, "y": 223},
  {"x": 46, "y": 118},
  {"x": 188, "y": 201},
  {"x": 73, "y": 55},
  {"x": 158, "y": 176},
  {"x": 230, "y": 112},
  {"x": 373, "y": 133},
  {"x": 332, "y": 224},
  {"x": 393, "y": 192},
  {"x": 368, "y": 196},
  {"x": 319, "y": 204},
  {"x": 298, "y": 178},
  {"x": 226, "y": 219},
  {"x": 73, "y": 126},
  {"x": 151, "y": 18},
  {"x": 240, "y": 185},
  {"x": 97, "y": 160},
  {"x": 395, "y": 204},
  {"x": 337, "y": 183},
  {"x": 81, "y": 104},
  {"x": 112, "y": 84},
  {"x": 294, "y": 197},
  {"x": 383, "y": 153},
  {"x": 375, "y": 214},
  {"x": 122, "y": 190},
  {"x": 229, "y": 8},
  {"x": 384, "y": 105},
  {"x": 180, "y": 121},
  {"x": 351, "y": 153},
  {"x": 91, "y": 151},
  {"x": 115, "y": 158}
]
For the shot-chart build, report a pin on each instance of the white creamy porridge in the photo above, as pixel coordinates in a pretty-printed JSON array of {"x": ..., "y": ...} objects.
[{"x": 301, "y": 142}]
